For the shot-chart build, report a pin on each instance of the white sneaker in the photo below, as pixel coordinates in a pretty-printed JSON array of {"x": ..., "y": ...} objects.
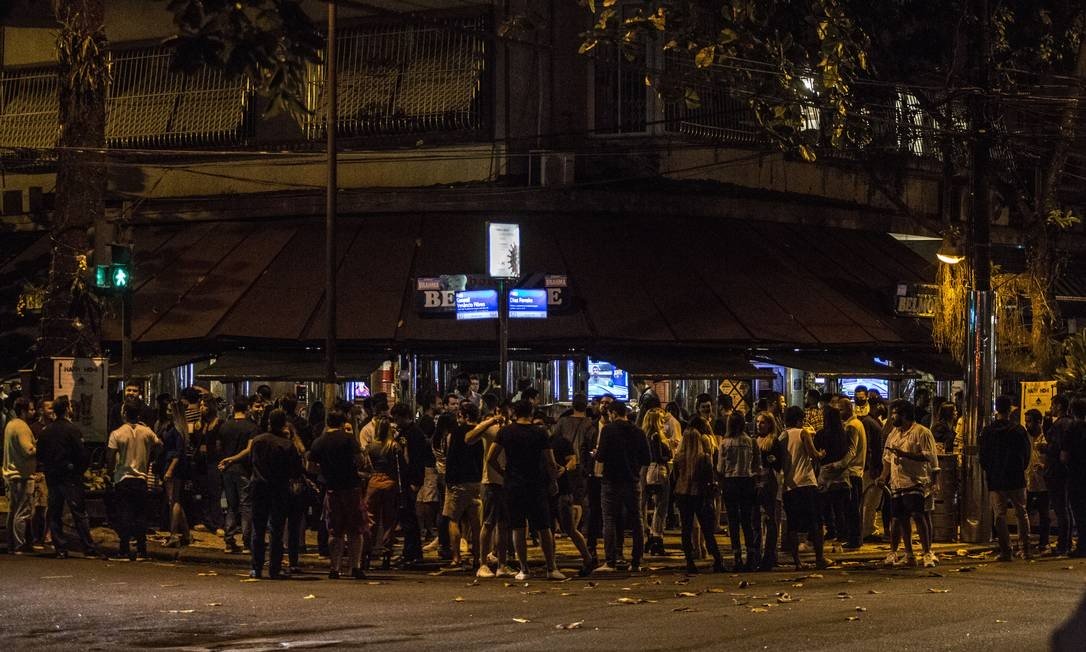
[
  {"x": 891, "y": 560},
  {"x": 603, "y": 568},
  {"x": 522, "y": 575},
  {"x": 930, "y": 560},
  {"x": 505, "y": 571},
  {"x": 484, "y": 572},
  {"x": 555, "y": 575}
]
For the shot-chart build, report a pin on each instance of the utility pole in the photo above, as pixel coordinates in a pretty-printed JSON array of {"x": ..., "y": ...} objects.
[
  {"x": 331, "y": 117},
  {"x": 980, "y": 352}
]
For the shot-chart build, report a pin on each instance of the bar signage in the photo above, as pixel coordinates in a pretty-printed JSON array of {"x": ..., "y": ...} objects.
[{"x": 916, "y": 300}]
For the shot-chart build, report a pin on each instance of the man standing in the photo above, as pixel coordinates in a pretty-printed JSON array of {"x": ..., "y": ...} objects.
[
  {"x": 463, "y": 475},
  {"x": 873, "y": 493},
  {"x": 495, "y": 527},
  {"x": 420, "y": 456},
  {"x": 61, "y": 453},
  {"x": 908, "y": 459},
  {"x": 1056, "y": 473},
  {"x": 132, "y": 391},
  {"x": 624, "y": 452},
  {"x": 1004, "y": 456},
  {"x": 853, "y": 465},
  {"x": 801, "y": 486},
  {"x": 859, "y": 397},
  {"x": 20, "y": 464},
  {"x": 131, "y": 448},
  {"x": 234, "y": 437},
  {"x": 594, "y": 483},
  {"x": 1073, "y": 455},
  {"x": 575, "y": 428},
  {"x": 812, "y": 411},
  {"x": 339, "y": 456},
  {"x": 529, "y": 460}
]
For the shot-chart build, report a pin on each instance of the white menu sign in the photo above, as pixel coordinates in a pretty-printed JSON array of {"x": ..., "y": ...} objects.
[
  {"x": 503, "y": 250},
  {"x": 85, "y": 382}
]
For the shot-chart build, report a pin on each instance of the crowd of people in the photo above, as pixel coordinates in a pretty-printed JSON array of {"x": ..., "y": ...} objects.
[{"x": 477, "y": 478}]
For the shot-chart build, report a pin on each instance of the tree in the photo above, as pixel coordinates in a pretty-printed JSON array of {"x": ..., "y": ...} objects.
[{"x": 857, "y": 63}]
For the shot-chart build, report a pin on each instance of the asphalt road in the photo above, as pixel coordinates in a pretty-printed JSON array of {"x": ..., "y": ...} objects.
[{"x": 98, "y": 605}]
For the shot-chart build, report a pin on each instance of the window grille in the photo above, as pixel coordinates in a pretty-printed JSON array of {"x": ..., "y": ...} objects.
[
  {"x": 715, "y": 114},
  {"x": 619, "y": 91},
  {"x": 151, "y": 106},
  {"x": 28, "y": 108},
  {"x": 404, "y": 80}
]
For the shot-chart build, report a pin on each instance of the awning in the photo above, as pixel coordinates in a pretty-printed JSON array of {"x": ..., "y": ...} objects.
[
  {"x": 300, "y": 366},
  {"x": 941, "y": 366},
  {"x": 683, "y": 364},
  {"x": 836, "y": 365},
  {"x": 673, "y": 285},
  {"x": 145, "y": 367}
]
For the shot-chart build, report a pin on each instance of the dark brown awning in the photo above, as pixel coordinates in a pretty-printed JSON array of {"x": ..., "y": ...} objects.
[
  {"x": 297, "y": 366},
  {"x": 145, "y": 367}
]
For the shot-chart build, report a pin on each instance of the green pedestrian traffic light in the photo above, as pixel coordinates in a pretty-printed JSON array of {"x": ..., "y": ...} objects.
[
  {"x": 102, "y": 277},
  {"x": 119, "y": 276}
]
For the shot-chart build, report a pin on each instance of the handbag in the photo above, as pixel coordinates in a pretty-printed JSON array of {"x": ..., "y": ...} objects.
[{"x": 656, "y": 474}]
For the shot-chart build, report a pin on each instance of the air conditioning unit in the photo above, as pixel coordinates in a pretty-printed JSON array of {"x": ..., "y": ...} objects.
[{"x": 548, "y": 168}]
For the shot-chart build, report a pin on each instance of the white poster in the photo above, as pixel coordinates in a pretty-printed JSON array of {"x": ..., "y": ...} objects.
[
  {"x": 503, "y": 250},
  {"x": 84, "y": 381},
  {"x": 1037, "y": 395}
]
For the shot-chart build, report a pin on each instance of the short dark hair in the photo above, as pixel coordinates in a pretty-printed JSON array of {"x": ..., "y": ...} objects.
[
  {"x": 529, "y": 393},
  {"x": 469, "y": 411},
  {"x": 451, "y": 396},
  {"x": 61, "y": 405},
  {"x": 793, "y": 416},
  {"x": 580, "y": 402},
  {"x": 1034, "y": 414},
  {"x": 702, "y": 398},
  {"x": 241, "y": 404},
  {"x": 860, "y": 388},
  {"x": 726, "y": 400},
  {"x": 264, "y": 391},
  {"x": 289, "y": 403},
  {"x": 653, "y": 401},
  {"x": 737, "y": 424},
  {"x": 618, "y": 408},
  {"x": 522, "y": 409},
  {"x": 131, "y": 413},
  {"x": 277, "y": 420},
  {"x": 1078, "y": 408},
  {"x": 190, "y": 394},
  {"x": 400, "y": 411},
  {"x": 813, "y": 393},
  {"x": 490, "y": 402},
  {"x": 335, "y": 417},
  {"x": 1003, "y": 404},
  {"x": 21, "y": 405},
  {"x": 904, "y": 408}
]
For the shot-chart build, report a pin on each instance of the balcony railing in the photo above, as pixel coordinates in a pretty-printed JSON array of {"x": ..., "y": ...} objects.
[
  {"x": 404, "y": 80},
  {"x": 28, "y": 108}
]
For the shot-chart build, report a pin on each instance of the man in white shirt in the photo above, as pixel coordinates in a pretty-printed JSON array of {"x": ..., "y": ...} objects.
[
  {"x": 20, "y": 463},
  {"x": 131, "y": 448},
  {"x": 909, "y": 458}
]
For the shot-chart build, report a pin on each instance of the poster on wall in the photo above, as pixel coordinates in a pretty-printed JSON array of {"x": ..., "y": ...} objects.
[
  {"x": 1037, "y": 395},
  {"x": 84, "y": 382}
]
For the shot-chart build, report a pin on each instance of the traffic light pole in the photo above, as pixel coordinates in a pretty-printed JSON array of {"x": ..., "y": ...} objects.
[{"x": 126, "y": 336}]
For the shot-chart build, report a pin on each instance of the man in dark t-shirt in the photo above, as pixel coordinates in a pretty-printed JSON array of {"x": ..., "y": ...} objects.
[
  {"x": 463, "y": 474},
  {"x": 339, "y": 456},
  {"x": 234, "y": 436},
  {"x": 63, "y": 459},
  {"x": 624, "y": 452},
  {"x": 561, "y": 503},
  {"x": 528, "y": 460}
]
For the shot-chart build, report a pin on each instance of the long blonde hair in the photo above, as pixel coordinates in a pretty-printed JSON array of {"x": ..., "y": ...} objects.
[
  {"x": 692, "y": 447},
  {"x": 382, "y": 434},
  {"x": 656, "y": 423}
]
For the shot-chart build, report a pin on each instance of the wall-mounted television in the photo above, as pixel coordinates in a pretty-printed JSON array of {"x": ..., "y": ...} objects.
[
  {"x": 605, "y": 378},
  {"x": 527, "y": 304},
  {"x": 477, "y": 304}
]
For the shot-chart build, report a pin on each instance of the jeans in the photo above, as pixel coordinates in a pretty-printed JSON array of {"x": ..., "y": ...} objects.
[
  {"x": 130, "y": 496},
  {"x": 1038, "y": 501},
  {"x": 621, "y": 505},
  {"x": 1057, "y": 495},
  {"x": 691, "y": 507},
  {"x": 767, "y": 517},
  {"x": 854, "y": 511},
  {"x": 20, "y": 510},
  {"x": 658, "y": 495},
  {"x": 999, "y": 500},
  {"x": 270, "y": 506},
  {"x": 68, "y": 492},
  {"x": 239, "y": 507},
  {"x": 834, "y": 508},
  {"x": 740, "y": 497}
]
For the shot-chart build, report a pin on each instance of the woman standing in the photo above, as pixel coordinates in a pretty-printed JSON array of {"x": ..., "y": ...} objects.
[
  {"x": 207, "y": 486},
  {"x": 387, "y": 457},
  {"x": 173, "y": 465},
  {"x": 694, "y": 491},
  {"x": 655, "y": 479},
  {"x": 945, "y": 428},
  {"x": 739, "y": 463},
  {"x": 767, "y": 510},
  {"x": 832, "y": 483}
]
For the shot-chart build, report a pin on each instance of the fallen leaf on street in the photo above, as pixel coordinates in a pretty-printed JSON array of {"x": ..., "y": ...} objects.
[
  {"x": 797, "y": 585},
  {"x": 965, "y": 569},
  {"x": 815, "y": 576},
  {"x": 934, "y": 574},
  {"x": 740, "y": 603},
  {"x": 683, "y": 609},
  {"x": 535, "y": 592},
  {"x": 207, "y": 574},
  {"x": 1001, "y": 621},
  {"x": 631, "y": 601},
  {"x": 310, "y": 597},
  {"x": 251, "y": 579},
  {"x": 521, "y": 620},
  {"x": 938, "y": 590},
  {"x": 564, "y": 595},
  {"x": 214, "y": 604},
  {"x": 961, "y": 552},
  {"x": 873, "y": 592},
  {"x": 861, "y": 609},
  {"x": 852, "y": 618},
  {"x": 759, "y": 610},
  {"x": 714, "y": 590},
  {"x": 843, "y": 596},
  {"x": 1068, "y": 568},
  {"x": 473, "y": 583},
  {"x": 784, "y": 598},
  {"x": 458, "y": 599},
  {"x": 576, "y": 625},
  {"x": 686, "y": 594},
  {"x": 165, "y": 586}
]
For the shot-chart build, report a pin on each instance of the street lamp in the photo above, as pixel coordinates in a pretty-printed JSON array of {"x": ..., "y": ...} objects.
[{"x": 950, "y": 252}]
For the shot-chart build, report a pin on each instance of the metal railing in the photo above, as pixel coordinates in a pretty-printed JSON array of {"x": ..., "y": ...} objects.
[
  {"x": 28, "y": 108},
  {"x": 404, "y": 80}
]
